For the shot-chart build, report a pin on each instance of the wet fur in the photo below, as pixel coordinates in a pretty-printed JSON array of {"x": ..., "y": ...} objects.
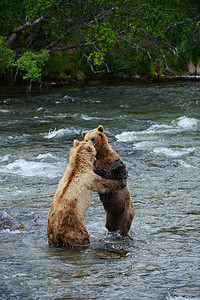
[
  {"x": 118, "y": 206},
  {"x": 72, "y": 198}
]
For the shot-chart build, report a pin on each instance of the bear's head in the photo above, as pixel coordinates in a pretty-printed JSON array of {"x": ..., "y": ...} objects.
[
  {"x": 97, "y": 138},
  {"x": 82, "y": 154}
]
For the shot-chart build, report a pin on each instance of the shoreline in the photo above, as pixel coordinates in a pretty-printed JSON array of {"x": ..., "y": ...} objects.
[{"x": 25, "y": 84}]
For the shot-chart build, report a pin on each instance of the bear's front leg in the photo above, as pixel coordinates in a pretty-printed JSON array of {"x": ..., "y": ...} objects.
[
  {"x": 111, "y": 222},
  {"x": 118, "y": 170},
  {"x": 102, "y": 185},
  {"x": 125, "y": 221}
]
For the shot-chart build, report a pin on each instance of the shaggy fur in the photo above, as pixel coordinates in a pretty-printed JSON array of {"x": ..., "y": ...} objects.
[
  {"x": 118, "y": 205},
  {"x": 72, "y": 198}
]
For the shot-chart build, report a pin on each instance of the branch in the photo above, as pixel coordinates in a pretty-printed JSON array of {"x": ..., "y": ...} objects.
[
  {"x": 136, "y": 46},
  {"x": 91, "y": 66},
  {"x": 74, "y": 46},
  {"x": 18, "y": 30},
  {"x": 181, "y": 23}
]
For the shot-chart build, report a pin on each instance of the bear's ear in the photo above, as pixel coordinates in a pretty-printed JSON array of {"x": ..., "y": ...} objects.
[
  {"x": 89, "y": 147},
  {"x": 76, "y": 143},
  {"x": 84, "y": 133},
  {"x": 100, "y": 128}
]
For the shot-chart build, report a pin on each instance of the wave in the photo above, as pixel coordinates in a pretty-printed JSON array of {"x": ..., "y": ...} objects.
[
  {"x": 45, "y": 155},
  {"x": 181, "y": 298},
  {"x": 186, "y": 122},
  {"x": 148, "y": 145},
  {"x": 19, "y": 138},
  {"x": 179, "y": 125},
  {"x": 4, "y": 158},
  {"x": 173, "y": 153},
  {"x": 8, "y": 140},
  {"x": 186, "y": 165},
  {"x": 69, "y": 98},
  {"x": 4, "y": 111},
  {"x": 10, "y": 231},
  {"x": 84, "y": 117},
  {"x": 131, "y": 136},
  {"x": 87, "y": 118},
  {"x": 32, "y": 168},
  {"x": 60, "y": 133}
]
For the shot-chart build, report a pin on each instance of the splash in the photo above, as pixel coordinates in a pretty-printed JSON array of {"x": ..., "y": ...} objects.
[
  {"x": 45, "y": 156},
  {"x": 11, "y": 231},
  {"x": 187, "y": 123},
  {"x": 179, "y": 125},
  {"x": 31, "y": 168},
  {"x": 173, "y": 153},
  {"x": 181, "y": 298},
  {"x": 4, "y": 158},
  {"x": 60, "y": 133}
]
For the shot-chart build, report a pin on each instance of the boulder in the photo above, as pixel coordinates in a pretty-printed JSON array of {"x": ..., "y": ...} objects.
[
  {"x": 80, "y": 76},
  {"x": 198, "y": 68},
  {"x": 191, "y": 68},
  {"x": 8, "y": 222}
]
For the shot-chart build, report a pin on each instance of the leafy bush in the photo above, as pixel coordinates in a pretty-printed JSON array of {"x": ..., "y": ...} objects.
[{"x": 32, "y": 64}]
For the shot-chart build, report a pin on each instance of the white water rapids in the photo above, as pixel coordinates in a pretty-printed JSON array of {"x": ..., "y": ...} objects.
[{"x": 155, "y": 128}]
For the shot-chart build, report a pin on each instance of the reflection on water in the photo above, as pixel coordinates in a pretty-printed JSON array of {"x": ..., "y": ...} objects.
[{"x": 155, "y": 129}]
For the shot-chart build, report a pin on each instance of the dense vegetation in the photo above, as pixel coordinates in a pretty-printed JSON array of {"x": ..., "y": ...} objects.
[{"x": 60, "y": 39}]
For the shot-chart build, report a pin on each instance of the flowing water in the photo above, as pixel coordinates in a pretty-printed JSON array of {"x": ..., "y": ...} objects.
[{"x": 155, "y": 129}]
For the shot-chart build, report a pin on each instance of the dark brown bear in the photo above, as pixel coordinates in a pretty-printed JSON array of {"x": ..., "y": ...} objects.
[{"x": 118, "y": 205}]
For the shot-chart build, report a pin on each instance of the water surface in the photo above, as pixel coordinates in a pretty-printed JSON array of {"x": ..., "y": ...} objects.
[{"x": 155, "y": 129}]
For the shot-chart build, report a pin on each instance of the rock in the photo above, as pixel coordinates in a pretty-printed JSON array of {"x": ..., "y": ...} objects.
[
  {"x": 8, "y": 222},
  {"x": 114, "y": 254},
  {"x": 135, "y": 77},
  {"x": 191, "y": 68},
  {"x": 198, "y": 68},
  {"x": 80, "y": 76}
]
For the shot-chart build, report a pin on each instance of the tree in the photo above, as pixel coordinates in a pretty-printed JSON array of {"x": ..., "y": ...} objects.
[{"x": 112, "y": 36}]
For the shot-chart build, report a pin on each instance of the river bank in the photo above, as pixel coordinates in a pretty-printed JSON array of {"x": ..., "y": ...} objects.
[{"x": 93, "y": 81}]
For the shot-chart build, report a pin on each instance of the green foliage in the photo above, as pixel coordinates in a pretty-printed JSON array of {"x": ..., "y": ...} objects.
[
  {"x": 61, "y": 66},
  {"x": 97, "y": 58},
  {"x": 32, "y": 64},
  {"x": 123, "y": 36},
  {"x": 7, "y": 56},
  {"x": 11, "y": 15},
  {"x": 38, "y": 8}
]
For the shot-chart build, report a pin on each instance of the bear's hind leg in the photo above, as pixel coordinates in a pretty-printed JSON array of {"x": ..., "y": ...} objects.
[
  {"x": 75, "y": 237},
  {"x": 52, "y": 230},
  {"x": 72, "y": 230}
]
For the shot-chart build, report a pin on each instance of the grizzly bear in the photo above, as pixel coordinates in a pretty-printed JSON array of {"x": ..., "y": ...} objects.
[
  {"x": 72, "y": 198},
  {"x": 118, "y": 204}
]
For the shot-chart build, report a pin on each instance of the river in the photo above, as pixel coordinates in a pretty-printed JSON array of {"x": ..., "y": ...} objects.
[{"x": 155, "y": 128}]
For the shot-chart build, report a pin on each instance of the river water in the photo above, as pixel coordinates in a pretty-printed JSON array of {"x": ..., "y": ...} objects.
[{"x": 155, "y": 129}]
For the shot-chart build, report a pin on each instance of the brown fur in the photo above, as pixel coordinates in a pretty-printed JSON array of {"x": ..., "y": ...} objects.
[
  {"x": 72, "y": 198},
  {"x": 118, "y": 206}
]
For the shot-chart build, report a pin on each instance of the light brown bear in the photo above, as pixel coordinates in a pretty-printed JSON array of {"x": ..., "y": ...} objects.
[
  {"x": 72, "y": 198},
  {"x": 118, "y": 205}
]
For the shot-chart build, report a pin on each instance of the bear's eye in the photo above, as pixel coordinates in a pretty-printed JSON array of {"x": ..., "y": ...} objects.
[{"x": 93, "y": 140}]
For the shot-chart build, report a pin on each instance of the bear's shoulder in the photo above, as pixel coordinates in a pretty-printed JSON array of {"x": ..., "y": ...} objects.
[{"x": 107, "y": 156}]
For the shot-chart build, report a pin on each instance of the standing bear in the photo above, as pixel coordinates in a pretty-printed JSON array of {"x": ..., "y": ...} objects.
[
  {"x": 118, "y": 204},
  {"x": 72, "y": 198}
]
